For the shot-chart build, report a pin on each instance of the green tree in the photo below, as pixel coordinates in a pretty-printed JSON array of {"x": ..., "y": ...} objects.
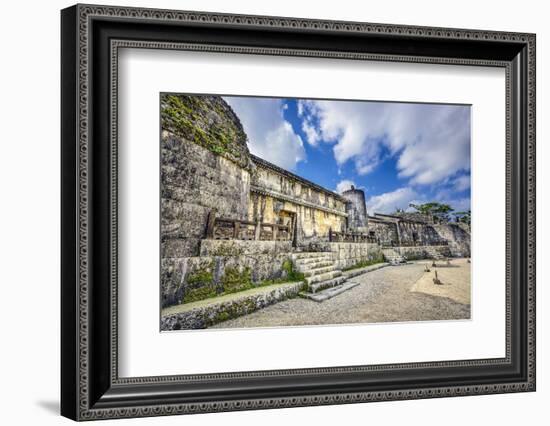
[
  {"x": 439, "y": 210},
  {"x": 463, "y": 217}
]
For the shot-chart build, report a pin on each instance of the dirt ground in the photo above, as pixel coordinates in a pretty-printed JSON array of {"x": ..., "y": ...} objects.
[
  {"x": 394, "y": 293},
  {"x": 454, "y": 278}
]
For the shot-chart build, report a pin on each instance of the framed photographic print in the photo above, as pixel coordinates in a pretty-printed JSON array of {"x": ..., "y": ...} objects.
[{"x": 263, "y": 212}]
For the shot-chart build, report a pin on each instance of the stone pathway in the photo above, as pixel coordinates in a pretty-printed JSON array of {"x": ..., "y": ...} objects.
[{"x": 383, "y": 295}]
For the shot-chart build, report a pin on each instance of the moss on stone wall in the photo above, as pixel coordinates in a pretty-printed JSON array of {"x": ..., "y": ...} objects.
[
  {"x": 208, "y": 314},
  {"x": 234, "y": 280},
  {"x": 203, "y": 283},
  {"x": 207, "y": 121},
  {"x": 201, "y": 277},
  {"x": 200, "y": 285},
  {"x": 200, "y": 293},
  {"x": 291, "y": 274}
]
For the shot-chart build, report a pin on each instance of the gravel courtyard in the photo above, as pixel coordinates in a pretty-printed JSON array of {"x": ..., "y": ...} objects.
[{"x": 393, "y": 293}]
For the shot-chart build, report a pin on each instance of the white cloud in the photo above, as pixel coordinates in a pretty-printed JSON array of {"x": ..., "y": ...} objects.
[
  {"x": 431, "y": 142},
  {"x": 344, "y": 185},
  {"x": 461, "y": 183},
  {"x": 312, "y": 135},
  {"x": 300, "y": 106},
  {"x": 401, "y": 198},
  {"x": 390, "y": 201},
  {"x": 270, "y": 136}
]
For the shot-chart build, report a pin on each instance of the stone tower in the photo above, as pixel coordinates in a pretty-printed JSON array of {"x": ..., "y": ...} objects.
[{"x": 356, "y": 209}]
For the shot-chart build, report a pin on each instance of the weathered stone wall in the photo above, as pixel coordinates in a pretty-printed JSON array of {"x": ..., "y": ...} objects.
[
  {"x": 223, "y": 265},
  {"x": 385, "y": 232},
  {"x": 410, "y": 232},
  {"x": 244, "y": 248},
  {"x": 213, "y": 313},
  {"x": 356, "y": 209},
  {"x": 195, "y": 181},
  {"x": 205, "y": 164},
  {"x": 430, "y": 235},
  {"x": 275, "y": 193},
  {"x": 423, "y": 252},
  {"x": 346, "y": 255},
  {"x": 457, "y": 236}
]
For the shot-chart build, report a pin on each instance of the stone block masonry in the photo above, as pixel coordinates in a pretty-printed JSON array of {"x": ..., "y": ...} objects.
[
  {"x": 210, "y": 312},
  {"x": 347, "y": 255},
  {"x": 458, "y": 238},
  {"x": 195, "y": 181},
  {"x": 223, "y": 266},
  {"x": 423, "y": 252}
]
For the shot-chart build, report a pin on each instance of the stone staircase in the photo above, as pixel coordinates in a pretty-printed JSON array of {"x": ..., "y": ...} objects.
[
  {"x": 392, "y": 256},
  {"x": 323, "y": 278}
]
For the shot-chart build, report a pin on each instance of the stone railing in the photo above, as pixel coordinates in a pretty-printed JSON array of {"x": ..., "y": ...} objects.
[{"x": 219, "y": 228}]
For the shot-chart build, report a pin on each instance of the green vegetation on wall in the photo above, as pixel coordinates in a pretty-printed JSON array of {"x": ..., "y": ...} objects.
[
  {"x": 291, "y": 273},
  {"x": 200, "y": 293},
  {"x": 207, "y": 121},
  {"x": 202, "y": 285},
  {"x": 234, "y": 280}
]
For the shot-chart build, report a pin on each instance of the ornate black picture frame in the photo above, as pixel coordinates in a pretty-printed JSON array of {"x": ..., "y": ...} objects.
[{"x": 90, "y": 38}]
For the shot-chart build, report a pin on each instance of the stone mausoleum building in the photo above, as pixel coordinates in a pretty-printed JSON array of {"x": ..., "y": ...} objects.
[{"x": 228, "y": 216}]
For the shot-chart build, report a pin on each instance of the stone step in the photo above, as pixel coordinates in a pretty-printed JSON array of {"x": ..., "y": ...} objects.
[
  {"x": 322, "y": 285},
  {"x": 318, "y": 271},
  {"x": 328, "y": 293},
  {"x": 309, "y": 261},
  {"x": 311, "y": 255},
  {"x": 323, "y": 277},
  {"x": 307, "y": 264}
]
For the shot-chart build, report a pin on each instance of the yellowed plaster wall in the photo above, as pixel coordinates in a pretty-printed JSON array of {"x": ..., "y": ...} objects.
[
  {"x": 312, "y": 223},
  {"x": 284, "y": 184},
  {"x": 272, "y": 192}
]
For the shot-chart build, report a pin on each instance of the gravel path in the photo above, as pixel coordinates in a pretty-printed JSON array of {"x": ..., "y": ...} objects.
[{"x": 383, "y": 296}]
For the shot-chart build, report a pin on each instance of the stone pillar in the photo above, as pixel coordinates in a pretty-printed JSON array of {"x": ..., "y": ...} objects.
[{"x": 356, "y": 209}]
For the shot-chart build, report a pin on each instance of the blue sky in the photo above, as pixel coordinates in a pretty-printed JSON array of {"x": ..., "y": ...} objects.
[{"x": 398, "y": 153}]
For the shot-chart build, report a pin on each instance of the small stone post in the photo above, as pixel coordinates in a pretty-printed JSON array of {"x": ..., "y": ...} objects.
[
  {"x": 210, "y": 224},
  {"x": 257, "y": 230}
]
